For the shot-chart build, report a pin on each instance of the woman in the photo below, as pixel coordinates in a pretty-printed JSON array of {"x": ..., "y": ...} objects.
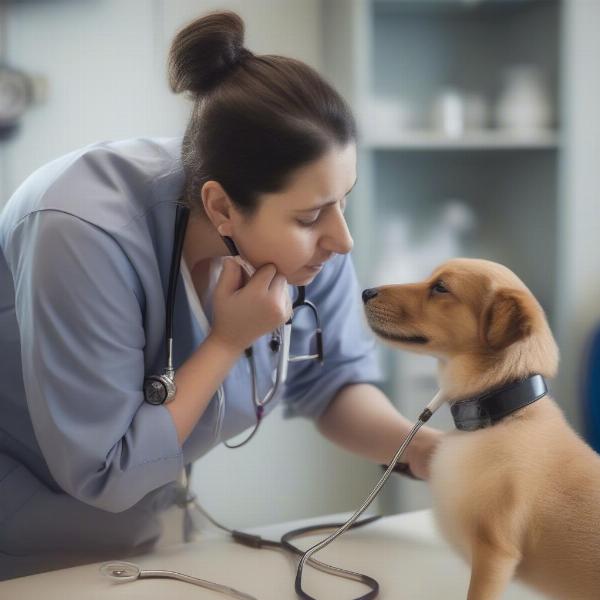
[{"x": 267, "y": 160}]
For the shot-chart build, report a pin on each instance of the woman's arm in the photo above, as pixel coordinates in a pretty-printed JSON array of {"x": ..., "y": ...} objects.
[
  {"x": 197, "y": 381},
  {"x": 77, "y": 300},
  {"x": 361, "y": 419}
]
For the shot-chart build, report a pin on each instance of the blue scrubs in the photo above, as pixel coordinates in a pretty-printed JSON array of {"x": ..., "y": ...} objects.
[{"x": 86, "y": 466}]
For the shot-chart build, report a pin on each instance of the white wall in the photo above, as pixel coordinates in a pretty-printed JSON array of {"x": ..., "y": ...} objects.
[
  {"x": 105, "y": 61},
  {"x": 105, "y": 64}
]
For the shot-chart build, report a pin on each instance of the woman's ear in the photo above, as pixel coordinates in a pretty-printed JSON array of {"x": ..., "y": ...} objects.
[
  {"x": 218, "y": 206},
  {"x": 509, "y": 317}
]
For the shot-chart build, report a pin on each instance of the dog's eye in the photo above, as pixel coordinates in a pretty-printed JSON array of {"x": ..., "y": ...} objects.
[{"x": 439, "y": 287}]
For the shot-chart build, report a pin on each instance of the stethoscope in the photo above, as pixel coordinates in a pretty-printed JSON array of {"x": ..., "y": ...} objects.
[
  {"x": 120, "y": 571},
  {"x": 160, "y": 389}
]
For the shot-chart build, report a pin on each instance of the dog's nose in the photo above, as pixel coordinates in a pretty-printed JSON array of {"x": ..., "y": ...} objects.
[{"x": 368, "y": 294}]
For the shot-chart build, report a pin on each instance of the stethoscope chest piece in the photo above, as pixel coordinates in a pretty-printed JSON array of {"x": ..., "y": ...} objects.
[
  {"x": 159, "y": 389},
  {"x": 120, "y": 571}
]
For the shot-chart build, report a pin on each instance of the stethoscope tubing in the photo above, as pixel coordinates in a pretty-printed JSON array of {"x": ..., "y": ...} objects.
[
  {"x": 348, "y": 524},
  {"x": 124, "y": 572}
]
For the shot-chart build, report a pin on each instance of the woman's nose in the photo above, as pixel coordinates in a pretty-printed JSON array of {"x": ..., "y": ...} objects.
[
  {"x": 339, "y": 239},
  {"x": 368, "y": 294}
]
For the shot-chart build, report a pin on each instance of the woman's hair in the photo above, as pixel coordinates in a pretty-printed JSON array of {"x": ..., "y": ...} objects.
[{"x": 255, "y": 119}]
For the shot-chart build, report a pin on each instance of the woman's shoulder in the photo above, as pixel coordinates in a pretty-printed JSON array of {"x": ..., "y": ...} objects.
[{"x": 107, "y": 183}]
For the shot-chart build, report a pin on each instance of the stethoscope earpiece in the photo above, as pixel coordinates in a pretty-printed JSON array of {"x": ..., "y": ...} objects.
[{"x": 230, "y": 245}]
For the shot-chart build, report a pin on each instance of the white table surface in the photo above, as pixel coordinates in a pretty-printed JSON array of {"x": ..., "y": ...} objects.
[{"x": 403, "y": 552}]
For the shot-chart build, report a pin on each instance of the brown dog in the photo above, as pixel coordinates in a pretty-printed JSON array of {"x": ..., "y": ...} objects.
[{"x": 517, "y": 495}]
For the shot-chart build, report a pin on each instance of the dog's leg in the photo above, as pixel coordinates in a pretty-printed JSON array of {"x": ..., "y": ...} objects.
[{"x": 491, "y": 570}]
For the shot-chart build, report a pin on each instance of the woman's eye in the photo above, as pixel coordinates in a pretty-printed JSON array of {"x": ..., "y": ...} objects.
[
  {"x": 439, "y": 288},
  {"x": 309, "y": 222}
]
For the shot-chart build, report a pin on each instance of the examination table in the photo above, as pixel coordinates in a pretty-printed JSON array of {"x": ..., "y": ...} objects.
[{"x": 403, "y": 552}]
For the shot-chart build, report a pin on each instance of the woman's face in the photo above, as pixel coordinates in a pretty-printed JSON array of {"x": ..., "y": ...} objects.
[{"x": 301, "y": 227}]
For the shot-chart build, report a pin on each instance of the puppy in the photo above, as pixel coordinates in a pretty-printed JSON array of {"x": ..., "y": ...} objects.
[{"x": 515, "y": 490}]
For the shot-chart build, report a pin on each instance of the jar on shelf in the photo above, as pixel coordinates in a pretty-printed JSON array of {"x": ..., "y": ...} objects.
[
  {"x": 524, "y": 105},
  {"x": 387, "y": 116},
  {"x": 456, "y": 112}
]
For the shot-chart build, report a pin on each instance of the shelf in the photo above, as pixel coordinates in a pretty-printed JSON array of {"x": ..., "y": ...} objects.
[
  {"x": 476, "y": 140},
  {"x": 450, "y": 7}
]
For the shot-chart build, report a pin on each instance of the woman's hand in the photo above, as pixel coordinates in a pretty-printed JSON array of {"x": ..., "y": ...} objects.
[
  {"x": 245, "y": 312},
  {"x": 421, "y": 449}
]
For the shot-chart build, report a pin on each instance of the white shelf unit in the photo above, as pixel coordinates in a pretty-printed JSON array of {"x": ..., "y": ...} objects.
[
  {"x": 489, "y": 139},
  {"x": 519, "y": 188}
]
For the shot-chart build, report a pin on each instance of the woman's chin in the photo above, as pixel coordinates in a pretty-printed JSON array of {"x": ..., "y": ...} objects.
[
  {"x": 298, "y": 281},
  {"x": 303, "y": 276}
]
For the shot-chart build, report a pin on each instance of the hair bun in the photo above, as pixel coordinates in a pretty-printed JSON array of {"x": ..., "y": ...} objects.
[{"x": 204, "y": 52}]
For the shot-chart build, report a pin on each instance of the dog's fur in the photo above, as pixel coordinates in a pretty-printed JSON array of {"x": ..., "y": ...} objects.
[{"x": 522, "y": 497}]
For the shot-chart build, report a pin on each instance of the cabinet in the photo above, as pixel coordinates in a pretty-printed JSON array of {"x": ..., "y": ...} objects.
[{"x": 464, "y": 106}]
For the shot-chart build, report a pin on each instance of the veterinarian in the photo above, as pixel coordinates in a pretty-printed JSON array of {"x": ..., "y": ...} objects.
[{"x": 89, "y": 457}]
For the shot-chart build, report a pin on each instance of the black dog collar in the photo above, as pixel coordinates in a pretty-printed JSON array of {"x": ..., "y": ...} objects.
[{"x": 491, "y": 407}]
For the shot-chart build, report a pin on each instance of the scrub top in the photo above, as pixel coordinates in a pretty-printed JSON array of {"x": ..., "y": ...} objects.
[{"x": 86, "y": 466}]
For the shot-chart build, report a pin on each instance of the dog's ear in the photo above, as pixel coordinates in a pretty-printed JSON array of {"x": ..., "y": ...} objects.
[{"x": 508, "y": 318}]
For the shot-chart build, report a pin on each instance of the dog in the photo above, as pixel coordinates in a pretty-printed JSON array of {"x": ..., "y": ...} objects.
[{"x": 517, "y": 494}]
